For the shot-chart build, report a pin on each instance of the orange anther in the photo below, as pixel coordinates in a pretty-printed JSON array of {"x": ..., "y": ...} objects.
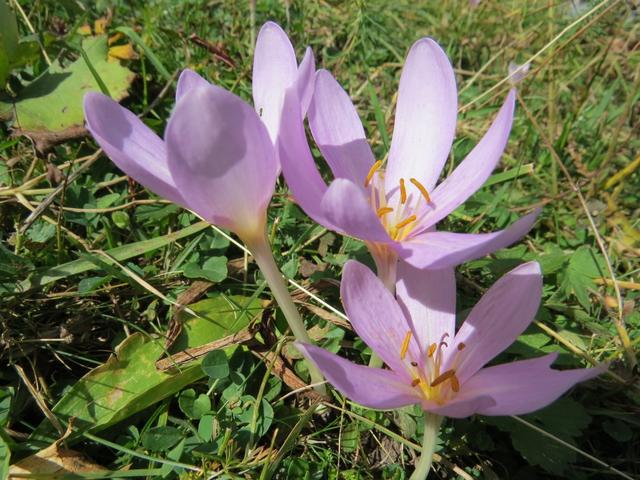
[
  {"x": 406, "y": 222},
  {"x": 383, "y": 211},
  {"x": 403, "y": 192},
  {"x": 423, "y": 190},
  {"x": 405, "y": 345},
  {"x": 432, "y": 349},
  {"x": 374, "y": 168},
  {"x": 445, "y": 376}
]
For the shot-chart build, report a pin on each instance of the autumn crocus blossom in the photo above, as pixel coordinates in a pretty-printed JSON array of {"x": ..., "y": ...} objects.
[
  {"x": 218, "y": 155},
  {"x": 429, "y": 363},
  {"x": 395, "y": 209}
]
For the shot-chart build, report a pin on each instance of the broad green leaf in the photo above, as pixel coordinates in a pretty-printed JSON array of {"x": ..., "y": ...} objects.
[
  {"x": 6, "y": 397},
  {"x": 584, "y": 266},
  {"x": 263, "y": 419},
  {"x": 49, "y": 109},
  {"x": 552, "y": 260},
  {"x": 565, "y": 419},
  {"x": 120, "y": 219},
  {"x": 5, "y": 458},
  {"x": 129, "y": 381},
  {"x": 194, "y": 405},
  {"x": 91, "y": 283},
  {"x": 119, "y": 253},
  {"x": 205, "y": 427},
  {"x": 160, "y": 438},
  {"x": 8, "y": 40},
  {"x": 41, "y": 232},
  {"x": 216, "y": 364},
  {"x": 213, "y": 269},
  {"x": 350, "y": 437}
]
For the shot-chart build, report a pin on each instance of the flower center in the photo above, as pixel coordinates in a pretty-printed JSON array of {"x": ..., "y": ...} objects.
[
  {"x": 427, "y": 377},
  {"x": 403, "y": 215}
]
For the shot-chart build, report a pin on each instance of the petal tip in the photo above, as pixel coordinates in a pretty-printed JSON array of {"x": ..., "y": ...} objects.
[
  {"x": 94, "y": 100},
  {"x": 270, "y": 25},
  {"x": 528, "y": 268}
]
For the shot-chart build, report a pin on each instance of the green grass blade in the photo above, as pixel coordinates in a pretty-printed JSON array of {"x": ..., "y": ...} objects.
[
  {"x": 153, "y": 58},
  {"x": 123, "y": 252}
]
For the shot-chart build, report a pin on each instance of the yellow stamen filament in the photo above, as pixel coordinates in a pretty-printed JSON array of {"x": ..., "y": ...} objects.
[
  {"x": 374, "y": 168},
  {"x": 405, "y": 345},
  {"x": 383, "y": 211},
  {"x": 406, "y": 222},
  {"x": 403, "y": 192},
  {"x": 442, "y": 378},
  {"x": 420, "y": 187},
  {"x": 455, "y": 385},
  {"x": 415, "y": 382},
  {"x": 432, "y": 349},
  {"x": 461, "y": 346}
]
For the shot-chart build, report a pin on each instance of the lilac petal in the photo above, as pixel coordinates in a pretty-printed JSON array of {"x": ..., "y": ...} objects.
[
  {"x": 274, "y": 70},
  {"x": 460, "y": 406},
  {"x": 298, "y": 167},
  {"x": 525, "y": 386},
  {"x": 425, "y": 117},
  {"x": 438, "y": 250},
  {"x": 189, "y": 80},
  {"x": 130, "y": 144},
  {"x": 220, "y": 153},
  {"x": 376, "y": 316},
  {"x": 345, "y": 206},
  {"x": 503, "y": 313},
  {"x": 474, "y": 170},
  {"x": 306, "y": 80},
  {"x": 338, "y": 131},
  {"x": 429, "y": 299},
  {"x": 371, "y": 387}
]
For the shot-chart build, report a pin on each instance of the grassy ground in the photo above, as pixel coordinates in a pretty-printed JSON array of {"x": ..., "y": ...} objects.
[{"x": 105, "y": 261}]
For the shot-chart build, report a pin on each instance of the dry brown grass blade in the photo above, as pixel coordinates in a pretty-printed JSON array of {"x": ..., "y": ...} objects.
[
  {"x": 288, "y": 376},
  {"x": 191, "y": 354},
  {"x": 42, "y": 405}
]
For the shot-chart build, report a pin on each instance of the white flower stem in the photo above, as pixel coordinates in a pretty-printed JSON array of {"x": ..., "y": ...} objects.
[
  {"x": 261, "y": 251},
  {"x": 431, "y": 427}
]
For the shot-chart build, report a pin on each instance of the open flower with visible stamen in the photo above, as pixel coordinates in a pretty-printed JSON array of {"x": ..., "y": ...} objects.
[
  {"x": 395, "y": 209},
  {"x": 432, "y": 365}
]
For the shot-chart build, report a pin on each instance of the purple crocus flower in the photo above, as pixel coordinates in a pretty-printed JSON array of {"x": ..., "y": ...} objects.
[
  {"x": 218, "y": 157},
  {"x": 395, "y": 211},
  {"x": 429, "y": 363}
]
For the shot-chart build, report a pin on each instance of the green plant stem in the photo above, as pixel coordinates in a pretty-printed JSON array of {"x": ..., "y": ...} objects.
[
  {"x": 431, "y": 427},
  {"x": 261, "y": 251}
]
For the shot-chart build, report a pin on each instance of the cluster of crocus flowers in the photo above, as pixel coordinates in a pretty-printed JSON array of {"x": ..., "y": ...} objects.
[
  {"x": 395, "y": 209},
  {"x": 220, "y": 158}
]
